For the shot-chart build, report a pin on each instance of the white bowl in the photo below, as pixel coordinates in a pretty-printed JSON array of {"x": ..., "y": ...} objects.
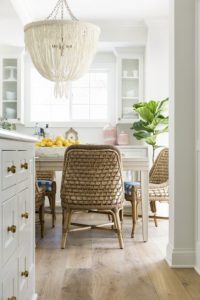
[
  {"x": 10, "y": 113},
  {"x": 10, "y": 95}
]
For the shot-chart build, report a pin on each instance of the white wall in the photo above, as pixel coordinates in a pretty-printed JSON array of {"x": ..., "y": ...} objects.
[
  {"x": 197, "y": 207},
  {"x": 157, "y": 60},
  {"x": 181, "y": 247},
  {"x": 157, "y": 66}
]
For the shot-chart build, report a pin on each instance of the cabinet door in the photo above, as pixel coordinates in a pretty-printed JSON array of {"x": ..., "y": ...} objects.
[
  {"x": 130, "y": 86},
  {"x": 9, "y": 226},
  {"x": 11, "y": 85},
  {"x": 10, "y": 281},
  {"x": 26, "y": 270},
  {"x": 24, "y": 216},
  {"x": 9, "y": 168}
]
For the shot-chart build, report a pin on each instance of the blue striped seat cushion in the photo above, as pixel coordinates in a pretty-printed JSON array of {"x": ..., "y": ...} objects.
[
  {"x": 128, "y": 186},
  {"x": 47, "y": 184}
]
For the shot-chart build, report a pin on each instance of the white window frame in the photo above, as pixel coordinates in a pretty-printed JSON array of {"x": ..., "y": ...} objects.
[{"x": 112, "y": 103}]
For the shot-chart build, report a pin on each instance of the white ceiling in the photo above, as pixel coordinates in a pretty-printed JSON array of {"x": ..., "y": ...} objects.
[{"x": 99, "y": 10}]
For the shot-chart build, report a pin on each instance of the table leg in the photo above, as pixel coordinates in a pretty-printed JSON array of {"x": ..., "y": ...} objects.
[{"x": 145, "y": 203}]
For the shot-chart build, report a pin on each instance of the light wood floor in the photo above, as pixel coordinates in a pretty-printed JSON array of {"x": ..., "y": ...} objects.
[{"x": 92, "y": 267}]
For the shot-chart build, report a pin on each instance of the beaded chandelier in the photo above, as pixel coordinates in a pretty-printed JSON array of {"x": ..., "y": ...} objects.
[{"x": 61, "y": 50}]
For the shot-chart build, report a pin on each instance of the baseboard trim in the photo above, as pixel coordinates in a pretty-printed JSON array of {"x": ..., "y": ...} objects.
[
  {"x": 180, "y": 257},
  {"x": 197, "y": 264},
  {"x": 197, "y": 270}
]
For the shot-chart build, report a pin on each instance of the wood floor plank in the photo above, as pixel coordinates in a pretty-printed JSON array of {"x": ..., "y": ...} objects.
[
  {"x": 190, "y": 280},
  {"x": 92, "y": 267},
  {"x": 166, "y": 283}
]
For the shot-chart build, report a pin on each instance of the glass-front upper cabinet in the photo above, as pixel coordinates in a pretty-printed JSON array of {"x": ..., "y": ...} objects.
[
  {"x": 130, "y": 86},
  {"x": 11, "y": 85}
]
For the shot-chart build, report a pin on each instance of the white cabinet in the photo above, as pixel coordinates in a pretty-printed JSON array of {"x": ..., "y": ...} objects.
[
  {"x": 130, "y": 86},
  {"x": 11, "y": 84},
  {"x": 17, "y": 242}
]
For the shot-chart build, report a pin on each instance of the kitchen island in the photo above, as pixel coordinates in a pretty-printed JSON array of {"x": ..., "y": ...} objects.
[{"x": 17, "y": 216}]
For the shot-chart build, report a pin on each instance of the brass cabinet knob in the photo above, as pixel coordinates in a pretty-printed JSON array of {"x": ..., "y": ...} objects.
[
  {"x": 24, "y": 166},
  {"x": 24, "y": 215},
  {"x": 12, "y": 228},
  {"x": 12, "y": 169},
  {"x": 25, "y": 273},
  {"x": 12, "y": 298}
]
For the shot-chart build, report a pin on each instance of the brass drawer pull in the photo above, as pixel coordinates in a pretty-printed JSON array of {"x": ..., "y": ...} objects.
[
  {"x": 24, "y": 215},
  {"x": 24, "y": 166},
  {"x": 25, "y": 273},
  {"x": 12, "y": 298},
  {"x": 12, "y": 169},
  {"x": 12, "y": 228}
]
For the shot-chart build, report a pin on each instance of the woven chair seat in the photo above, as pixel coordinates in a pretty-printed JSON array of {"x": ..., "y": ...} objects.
[{"x": 157, "y": 192}]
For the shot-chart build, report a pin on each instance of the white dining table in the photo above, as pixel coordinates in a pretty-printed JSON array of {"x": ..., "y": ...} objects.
[{"x": 134, "y": 158}]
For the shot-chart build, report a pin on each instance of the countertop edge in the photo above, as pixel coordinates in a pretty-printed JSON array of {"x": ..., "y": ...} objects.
[{"x": 16, "y": 136}]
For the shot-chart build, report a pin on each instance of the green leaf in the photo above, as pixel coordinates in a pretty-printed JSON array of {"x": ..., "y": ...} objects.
[
  {"x": 145, "y": 114},
  {"x": 139, "y": 104},
  {"x": 152, "y": 106},
  {"x": 151, "y": 140},
  {"x": 141, "y": 125},
  {"x": 141, "y": 135},
  {"x": 163, "y": 105},
  {"x": 165, "y": 129}
]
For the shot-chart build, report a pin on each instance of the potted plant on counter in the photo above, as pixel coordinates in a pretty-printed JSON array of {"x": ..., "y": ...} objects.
[{"x": 153, "y": 121}]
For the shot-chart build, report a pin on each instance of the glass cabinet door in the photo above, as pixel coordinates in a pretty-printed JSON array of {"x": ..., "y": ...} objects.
[
  {"x": 131, "y": 87},
  {"x": 9, "y": 88}
]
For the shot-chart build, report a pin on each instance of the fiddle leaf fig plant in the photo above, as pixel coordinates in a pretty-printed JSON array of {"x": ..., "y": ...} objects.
[{"x": 153, "y": 122}]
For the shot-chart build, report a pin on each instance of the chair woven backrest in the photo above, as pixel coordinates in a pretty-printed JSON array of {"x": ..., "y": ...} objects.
[
  {"x": 92, "y": 177},
  {"x": 159, "y": 172},
  {"x": 48, "y": 175}
]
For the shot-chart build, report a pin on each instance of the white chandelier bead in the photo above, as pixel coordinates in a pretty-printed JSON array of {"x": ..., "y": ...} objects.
[{"x": 61, "y": 50}]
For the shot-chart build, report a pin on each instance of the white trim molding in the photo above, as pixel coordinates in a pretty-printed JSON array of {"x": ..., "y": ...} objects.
[
  {"x": 197, "y": 260},
  {"x": 180, "y": 257}
]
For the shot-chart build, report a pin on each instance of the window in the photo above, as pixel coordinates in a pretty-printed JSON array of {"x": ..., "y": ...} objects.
[{"x": 87, "y": 99}]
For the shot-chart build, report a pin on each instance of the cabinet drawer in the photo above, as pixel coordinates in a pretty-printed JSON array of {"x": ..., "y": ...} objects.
[
  {"x": 10, "y": 281},
  {"x": 9, "y": 168},
  {"x": 24, "y": 216},
  {"x": 9, "y": 226},
  {"x": 23, "y": 165}
]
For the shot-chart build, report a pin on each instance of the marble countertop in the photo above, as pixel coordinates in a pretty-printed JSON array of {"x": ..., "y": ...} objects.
[{"x": 13, "y": 135}]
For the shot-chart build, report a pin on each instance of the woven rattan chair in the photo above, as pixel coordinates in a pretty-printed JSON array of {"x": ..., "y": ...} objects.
[
  {"x": 92, "y": 181},
  {"x": 158, "y": 187},
  {"x": 39, "y": 206},
  {"x": 47, "y": 180}
]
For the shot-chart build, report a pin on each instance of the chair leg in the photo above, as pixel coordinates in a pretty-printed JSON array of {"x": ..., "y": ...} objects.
[
  {"x": 41, "y": 217},
  {"x": 154, "y": 210},
  {"x": 119, "y": 229},
  {"x": 52, "y": 200},
  {"x": 134, "y": 209},
  {"x": 66, "y": 222},
  {"x": 121, "y": 216}
]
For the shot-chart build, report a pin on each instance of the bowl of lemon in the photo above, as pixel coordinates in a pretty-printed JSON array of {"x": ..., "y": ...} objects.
[{"x": 48, "y": 147}]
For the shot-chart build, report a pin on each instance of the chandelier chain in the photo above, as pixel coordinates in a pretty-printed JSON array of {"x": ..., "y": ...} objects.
[
  {"x": 69, "y": 11},
  {"x": 60, "y": 6},
  {"x": 54, "y": 12}
]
